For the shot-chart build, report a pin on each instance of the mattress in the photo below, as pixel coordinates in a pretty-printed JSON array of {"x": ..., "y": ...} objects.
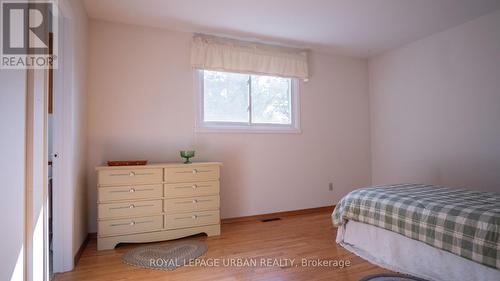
[
  {"x": 405, "y": 255},
  {"x": 463, "y": 222}
]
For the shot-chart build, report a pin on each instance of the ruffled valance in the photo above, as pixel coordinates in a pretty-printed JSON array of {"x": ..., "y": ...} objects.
[{"x": 215, "y": 53}]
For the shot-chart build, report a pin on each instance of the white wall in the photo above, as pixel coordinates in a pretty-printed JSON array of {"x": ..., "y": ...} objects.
[
  {"x": 435, "y": 109},
  {"x": 12, "y": 145},
  {"x": 142, "y": 106}
]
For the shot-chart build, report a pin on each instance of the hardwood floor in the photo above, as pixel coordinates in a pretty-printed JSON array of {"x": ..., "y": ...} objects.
[{"x": 309, "y": 236}]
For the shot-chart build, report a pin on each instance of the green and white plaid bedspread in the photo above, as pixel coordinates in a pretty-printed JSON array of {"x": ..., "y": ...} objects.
[{"x": 463, "y": 222}]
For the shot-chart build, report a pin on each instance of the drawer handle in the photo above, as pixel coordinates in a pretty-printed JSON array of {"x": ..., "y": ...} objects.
[
  {"x": 192, "y": 217},
  {"x": 194, "y": 186},
  {"x": 131, "y": 206},
  {"x": 131, "y": 190},
  {"x": 132, "y": 173},
  {"x": 193, "y": 171},
  {"x": 132, "y": 223},
  {"x": 193, "y": 201}
]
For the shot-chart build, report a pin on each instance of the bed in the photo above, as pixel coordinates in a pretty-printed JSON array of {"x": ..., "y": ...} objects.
[{"x": 433, "y": 232}]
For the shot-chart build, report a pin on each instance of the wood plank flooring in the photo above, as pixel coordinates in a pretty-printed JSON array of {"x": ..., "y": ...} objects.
[{"x": 309, "y": 236}]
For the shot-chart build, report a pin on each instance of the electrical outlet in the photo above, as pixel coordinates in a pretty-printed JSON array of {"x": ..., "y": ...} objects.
[{"x": 330, "y": 186}]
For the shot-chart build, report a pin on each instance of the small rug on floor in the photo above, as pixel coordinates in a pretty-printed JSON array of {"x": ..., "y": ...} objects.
[
  {"x": 167, "y": 256},
  {"x": 391, "y": 277}
]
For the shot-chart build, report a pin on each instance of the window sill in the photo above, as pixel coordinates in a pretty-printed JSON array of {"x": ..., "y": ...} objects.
[{"x": 247, "y": 130}]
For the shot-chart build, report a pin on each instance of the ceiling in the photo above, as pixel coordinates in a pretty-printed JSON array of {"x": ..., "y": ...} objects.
[{"x": 360, "y": 28}]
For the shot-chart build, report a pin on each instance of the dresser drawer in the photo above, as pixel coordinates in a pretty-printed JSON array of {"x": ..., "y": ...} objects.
[
  {"x": 191, "y": 173},
  {"x": 191, "y": 189},
  {"x": 132, "y": 225},
  {"x": 191, "y": 219},
  {"x": 130, "y": 192},
  {"x": 130, "y": 209},
  {"x": 130, "y": 176},
  {"x": 190, "y": 204}
]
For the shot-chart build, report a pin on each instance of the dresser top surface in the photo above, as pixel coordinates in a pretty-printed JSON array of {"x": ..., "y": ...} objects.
[{"x": 159, "y": 165}]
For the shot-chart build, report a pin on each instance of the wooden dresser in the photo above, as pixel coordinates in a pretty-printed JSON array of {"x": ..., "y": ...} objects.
[{"x": 156, "y": 202}]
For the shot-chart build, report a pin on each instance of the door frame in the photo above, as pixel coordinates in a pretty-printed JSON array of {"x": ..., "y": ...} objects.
[
  {"x": 62, "y": 199},
  {"x": 36, "y": 231},
  {"x": 36, "y": 218}
]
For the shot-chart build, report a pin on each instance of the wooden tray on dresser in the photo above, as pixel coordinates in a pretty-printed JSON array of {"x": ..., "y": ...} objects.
[{"x": 128, "y": 163}]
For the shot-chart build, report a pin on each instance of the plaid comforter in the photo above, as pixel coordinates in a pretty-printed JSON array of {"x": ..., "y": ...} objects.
[{"x": 463, "y": 222}]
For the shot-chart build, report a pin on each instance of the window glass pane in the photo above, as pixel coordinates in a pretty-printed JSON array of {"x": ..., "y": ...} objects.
[
  {"x": 225, "y": 97},
  {"x": 271, "y": 100}
]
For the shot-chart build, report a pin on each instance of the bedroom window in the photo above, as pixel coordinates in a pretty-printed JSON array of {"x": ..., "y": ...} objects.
[{"x": 246, "y": 102}]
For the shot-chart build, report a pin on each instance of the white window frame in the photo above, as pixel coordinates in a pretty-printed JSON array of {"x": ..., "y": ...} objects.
[{"x": 246, "y": 127}]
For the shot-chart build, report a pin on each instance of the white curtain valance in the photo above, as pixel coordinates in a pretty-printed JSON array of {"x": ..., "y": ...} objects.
[{"x": 215, "y": 53}]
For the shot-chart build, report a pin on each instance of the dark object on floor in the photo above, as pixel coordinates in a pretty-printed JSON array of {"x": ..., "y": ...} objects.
[
  {"x": 391, "y": 277},
  {"x": 271, "y": 219}
]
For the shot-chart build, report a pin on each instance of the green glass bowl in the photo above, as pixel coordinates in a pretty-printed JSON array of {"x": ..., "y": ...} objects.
[{"x": 187, "y": 154}]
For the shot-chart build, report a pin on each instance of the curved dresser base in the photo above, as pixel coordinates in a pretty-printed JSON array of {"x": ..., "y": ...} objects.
[{"x": 108, "y": 243}]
